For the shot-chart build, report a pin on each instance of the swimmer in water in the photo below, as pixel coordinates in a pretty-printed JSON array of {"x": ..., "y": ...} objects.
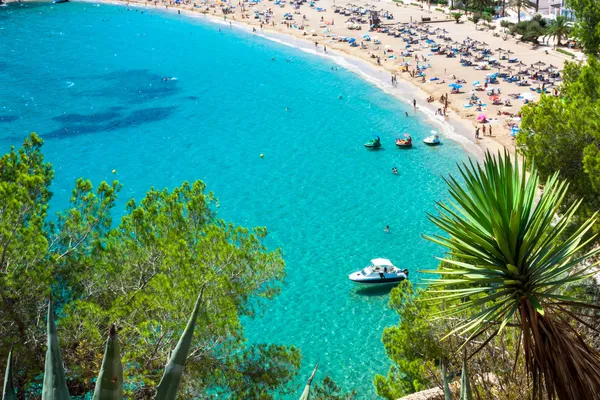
[
  {"x": 273, "y": 59},
  {"x": 341, "y": 97},
  {"x": 394, "y": 170},
  {"x": 387, "y": 229},
  {"x": 287, "y": 109},
  {"x": 406, "y": 113}
]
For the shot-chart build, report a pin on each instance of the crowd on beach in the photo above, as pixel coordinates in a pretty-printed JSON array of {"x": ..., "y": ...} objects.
[{"x": 430, "y": 57}]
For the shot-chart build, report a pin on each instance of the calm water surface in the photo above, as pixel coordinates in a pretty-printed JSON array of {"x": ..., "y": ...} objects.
[{"x": 88, "y": 79}]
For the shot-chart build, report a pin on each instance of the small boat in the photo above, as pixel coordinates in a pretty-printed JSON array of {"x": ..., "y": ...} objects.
[
  {"x": 432, "y": 140},
  {"x": 404, "y": 143},
  {"x": 373, "y": 143},
  {"x": 59, "y": 1},
  {"x": 381, "y": 270}
]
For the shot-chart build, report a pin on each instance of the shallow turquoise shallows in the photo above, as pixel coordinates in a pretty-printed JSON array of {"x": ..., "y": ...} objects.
[{"x": 88, "y": 79}]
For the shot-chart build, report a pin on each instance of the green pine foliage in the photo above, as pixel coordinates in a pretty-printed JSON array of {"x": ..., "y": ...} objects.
[
  {"x": 563, "y": 134},
  {"x": 142, "y": 273},
  {"x": 587, "y": 24}
]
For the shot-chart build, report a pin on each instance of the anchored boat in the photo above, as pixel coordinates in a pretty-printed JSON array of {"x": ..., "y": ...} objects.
[
  {"x": 374, "y": 143},
  {"x": 404, "y": 143},
  {"x": 381, "y": 270},
  {"x": 432, "y": 140}
]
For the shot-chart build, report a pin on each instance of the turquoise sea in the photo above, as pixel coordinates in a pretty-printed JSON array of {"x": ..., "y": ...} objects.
[{"x": 88, "y": 79}]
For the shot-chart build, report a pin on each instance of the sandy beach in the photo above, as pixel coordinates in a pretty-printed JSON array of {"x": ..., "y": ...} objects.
[{"x": 323, "y": 30}]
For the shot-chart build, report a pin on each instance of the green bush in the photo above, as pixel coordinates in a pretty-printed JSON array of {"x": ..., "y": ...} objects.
[
  {"x": 506, "y": 24},
  {"x": 456, "y": 16},
  {"x": 568, "y": 53},
  {"x": 476, "y": 18},
  {"x": 439, "y": 9},
  {"x": 531, "y": 30}
]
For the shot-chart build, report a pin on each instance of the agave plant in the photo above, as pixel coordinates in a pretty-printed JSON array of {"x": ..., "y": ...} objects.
[
  {"x": 465, "y": 381},
  {"x": 109, "y": 385},
  {"x": 445, "y": 383},
  {"x": 8, "y": 392},
  {"x": 55, "y": 383},
  {"x": 510, "y": 257}
]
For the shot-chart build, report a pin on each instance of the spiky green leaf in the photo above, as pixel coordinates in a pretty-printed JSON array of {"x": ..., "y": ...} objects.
[
  {"x": 169, "y": 384},
  {"x": 447, "y": 392},
  {"x": 465, "y": 381},
  {"x": 55, "y": 384},
  {"x": 109, "y": 385},
  {"x": 9, "y": 391}
]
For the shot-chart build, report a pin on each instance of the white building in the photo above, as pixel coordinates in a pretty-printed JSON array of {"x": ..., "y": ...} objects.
[{"x": 554, "y": 8}]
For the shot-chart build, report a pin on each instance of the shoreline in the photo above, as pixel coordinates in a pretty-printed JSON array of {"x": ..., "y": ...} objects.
[
  {"x": 456, "y": 128},
  {"x": 372, "y": 64}
]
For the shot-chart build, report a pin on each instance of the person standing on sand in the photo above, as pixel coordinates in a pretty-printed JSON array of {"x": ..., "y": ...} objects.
[
  {"x": 490, "y": 131},
  {"x": 415, "y": 103},
  {"x": 484, "y": 130},
  {"x": 477, "y": 133}
]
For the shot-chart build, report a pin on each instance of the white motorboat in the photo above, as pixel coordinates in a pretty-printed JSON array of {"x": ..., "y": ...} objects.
[
  {"x": 381, "y": 270},
  {"x": 432, "y": 140}
]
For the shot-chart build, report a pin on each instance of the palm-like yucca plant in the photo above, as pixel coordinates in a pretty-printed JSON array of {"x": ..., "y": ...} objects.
[{"x": 510, "y": 261}]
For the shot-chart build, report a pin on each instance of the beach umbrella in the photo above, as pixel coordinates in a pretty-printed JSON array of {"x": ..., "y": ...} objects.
[
  {"x": 539, "y": 64},
  {"x": 494, "y": 98},
  {"x": 524, "y": 72},
  {"x": 455, "y": 86},
  {"x": 481, "y": 118}
]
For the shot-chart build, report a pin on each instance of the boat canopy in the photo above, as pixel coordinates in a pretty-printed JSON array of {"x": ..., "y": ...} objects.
[{"x": 381, "y": 262}]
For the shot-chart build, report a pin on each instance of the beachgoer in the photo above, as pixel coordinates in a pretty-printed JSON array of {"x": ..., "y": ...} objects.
[
  {"x": 387, "y": 229},
  {"x": 476, "y": 133},
  {"x": 483, "y": 130},
  {"x": 490, "y": 132},
  {"x": 406, "y": 113},
  {"x": 415, "y": 103}
]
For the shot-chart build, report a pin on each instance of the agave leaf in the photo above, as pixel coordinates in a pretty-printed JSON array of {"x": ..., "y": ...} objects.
[
  {"x": 9, "y": 390},
  {"x": 447, "y": 392},
  {"x": 109, "y": 385},
  {"x": 169, "y": 384},
  {"x": 465, "y": 381},
  {"x": 306, "y": 393},
  {"x": 55, "y": 384}
]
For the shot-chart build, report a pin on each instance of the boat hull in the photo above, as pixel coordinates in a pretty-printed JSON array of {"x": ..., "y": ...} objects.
[
  {"x": 59, "y": 1},
  {"x": 380, "y": 281}
]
